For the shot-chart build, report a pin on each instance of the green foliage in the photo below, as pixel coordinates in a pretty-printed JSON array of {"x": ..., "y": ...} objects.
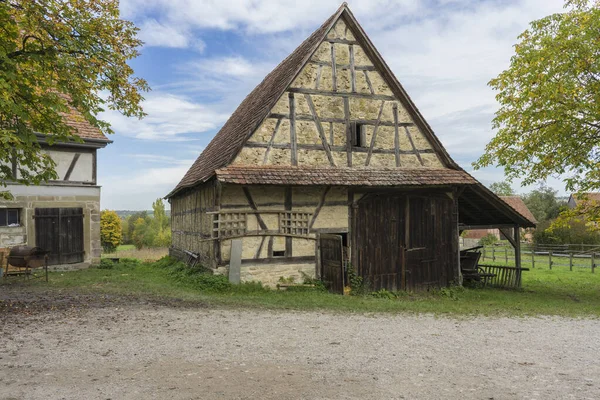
[
  {"x": 543, "y": 203},
  {"x": 128, "y": 234},
  {"x": 55, "y": 57},
  {"x": 502, "y": 188},
  {"x": 488, "y": 240},
  {"x": 149, "y": 231},
  {"x": 358, "y": 285},
  {"x": 548, "y": 121},
  {"x": 452, "y": 292},
  {"x": 286, "y": 280},
  {"x": 110, "y": 230},
  {"x": 572, "y": 232},
  {"x": 204, "y": 280}
]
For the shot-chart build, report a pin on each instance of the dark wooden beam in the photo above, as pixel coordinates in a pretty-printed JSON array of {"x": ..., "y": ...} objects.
[
  {"x": 317, "y": 122},
  {"x": 342, "y": 41},
  {"x": 412, "y": 144},
  {"x": 318, "y": 147},
  {"x": 345, "y": 66},
  {"x": 352, "y": 70},
  {"x": 293, "y": 139},
  {"x": 253, "y": 206},
  {"x": 369, "y": 82},
  {"x": 301, "y": 117},
  {"x": 288, "y": 203},
  {"x": 72, "y": 166},
  {"x": 333, "y": 68},
  {"x": 280, "y": 260},
  {"x": 318, "y": 80},
  {"x": 348, "y": 131},
  {"x": 342, "y": 94},
  {"x": 374, "y": 137},
  {"x": 319, "y": 206},
  {"x": 396, "y": 136},
  {"x": 266, "y": 157}
]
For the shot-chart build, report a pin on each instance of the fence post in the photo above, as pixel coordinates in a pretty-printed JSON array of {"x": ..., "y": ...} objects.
[
  {"x": 532, "y": 258},
  {"x": 484, "y": 253},
  {"x": 550, "y": 258},
  {"x": 593, "y": 265},
  {"x": 493, "y": 254},
  {"x": 505, "y": 255},
  {"x": 570, "y": 261}
]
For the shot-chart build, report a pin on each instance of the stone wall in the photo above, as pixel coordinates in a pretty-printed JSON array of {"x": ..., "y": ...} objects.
[
  {"x": 269, "y": 275},
  {"x": 28, "y": 198}
]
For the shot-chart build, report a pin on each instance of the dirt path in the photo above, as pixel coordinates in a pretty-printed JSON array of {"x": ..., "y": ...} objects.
[{"x": 132, "y": 349}]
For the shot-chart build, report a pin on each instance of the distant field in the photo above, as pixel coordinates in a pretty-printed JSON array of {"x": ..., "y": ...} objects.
[{"x": 145, "y": 254}]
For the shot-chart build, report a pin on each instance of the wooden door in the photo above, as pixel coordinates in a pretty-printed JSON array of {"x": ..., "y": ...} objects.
[
  {"x": 60, "y": 231},
  {"x": 379, "y": 238},
  {"x": 403, "y": 241},
  {"x": 332, "y": 262}
]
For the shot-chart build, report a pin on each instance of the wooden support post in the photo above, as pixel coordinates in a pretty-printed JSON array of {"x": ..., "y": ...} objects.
[
  {"x": 532, "y": 257},
  {"x": 493, "y": 254},
  {"x": 483, "y": 255},
  {"x": 550, "y": 258},
  {"x": 517, "y": 237},
  {"x": 570, "y": 261},
  {"x": 593, "y": 265},
  {"x": 506, "y": 256}
]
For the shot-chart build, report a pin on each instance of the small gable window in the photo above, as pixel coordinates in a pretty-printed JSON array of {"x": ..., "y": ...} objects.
[
  {"x": 357, "y": 131},
  {"x": 9, "y": 217}
]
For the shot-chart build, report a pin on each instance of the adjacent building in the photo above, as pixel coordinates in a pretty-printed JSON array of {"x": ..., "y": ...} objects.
[{"x": 61, "y": 216}]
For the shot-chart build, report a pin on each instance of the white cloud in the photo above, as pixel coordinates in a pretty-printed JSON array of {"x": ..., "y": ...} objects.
[{"x": 169, "y": 118}]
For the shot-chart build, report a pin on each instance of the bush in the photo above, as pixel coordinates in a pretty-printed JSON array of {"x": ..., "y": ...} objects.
[
  {"x": 488, "y": 240},
  {"x": 110, "y": 231}
]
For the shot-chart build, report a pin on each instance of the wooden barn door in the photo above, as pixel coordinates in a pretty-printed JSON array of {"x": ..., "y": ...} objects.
[
  {"x": 332, "y": 262},
  {"x": 404, "y": 242},
  {"x": 60, "y": 231},
  {"x": 379, "y": 239}
]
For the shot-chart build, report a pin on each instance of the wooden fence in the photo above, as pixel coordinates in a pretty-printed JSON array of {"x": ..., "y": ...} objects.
[{"x": 543, "y": 257}]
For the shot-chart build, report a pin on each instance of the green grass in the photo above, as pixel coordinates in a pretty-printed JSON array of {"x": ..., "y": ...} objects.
[{"x": 545, "y": 292}]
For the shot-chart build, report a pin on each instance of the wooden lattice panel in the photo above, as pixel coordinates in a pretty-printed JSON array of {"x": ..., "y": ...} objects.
[
  {"x": 294, "y": 223},
  {"x": 229, "y": 224}
]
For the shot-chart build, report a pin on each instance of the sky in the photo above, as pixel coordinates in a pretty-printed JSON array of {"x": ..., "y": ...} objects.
[{"x": 202, "y": 57}]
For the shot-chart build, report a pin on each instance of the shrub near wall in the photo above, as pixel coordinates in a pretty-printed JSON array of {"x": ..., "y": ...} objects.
[{"x": 110, "y": 230}]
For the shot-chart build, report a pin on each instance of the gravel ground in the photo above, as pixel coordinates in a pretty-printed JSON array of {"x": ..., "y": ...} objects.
[{"x": 124, "y": 348}]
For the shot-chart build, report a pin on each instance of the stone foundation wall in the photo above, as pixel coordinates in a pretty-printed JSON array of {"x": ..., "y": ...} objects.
[{"x": 270, "y": 274}]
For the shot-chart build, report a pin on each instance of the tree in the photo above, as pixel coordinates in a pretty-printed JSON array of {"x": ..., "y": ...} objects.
[
  {"x": 572, "y": 232},
  {"x": 57, "y": 56},
  {"x": 548, "y": 122},
  {"x": 143, "y": 233},
  {"x": 110, "y": 231},
  {"x": 502, "y": 188},
  {"x": 131, "y": 223},
  {"x": 160, "y": 224},
  {"x": 543, "y": 203}
]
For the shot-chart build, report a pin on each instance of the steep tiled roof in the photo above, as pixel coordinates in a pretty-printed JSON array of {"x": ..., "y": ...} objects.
[
  {"x": 517, "y": 203},
  {"x": 85, "y": 130},
  {"x": 253, "y": 110},
  {"x": 287, "y": 175}
]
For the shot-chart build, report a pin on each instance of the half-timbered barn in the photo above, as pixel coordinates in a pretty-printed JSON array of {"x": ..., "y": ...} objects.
[
  {"x": 61, "y": 216},
  {"x": 328, "y": 161}
]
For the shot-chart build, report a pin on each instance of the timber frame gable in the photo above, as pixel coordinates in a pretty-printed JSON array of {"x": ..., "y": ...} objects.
[{"x": 262, "y": 114}]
